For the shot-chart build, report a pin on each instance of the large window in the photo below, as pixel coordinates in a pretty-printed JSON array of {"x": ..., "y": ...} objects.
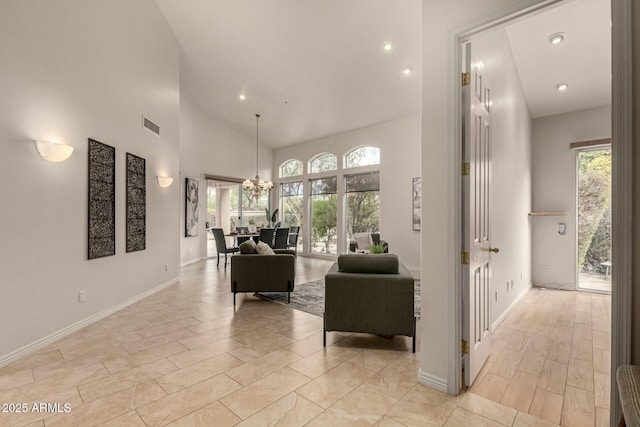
[
  {"x": 363, "y": 203},
  {"x": 363, "y": 156},
  {"x": 324, "y": 204},
  {"x": 253, "y": 211},
  {"x": 291, "y": 206},
  {"x": 291, "y": 168},
  {"x": 291, "y": 203},
  {"x": 324, "y": 163}
]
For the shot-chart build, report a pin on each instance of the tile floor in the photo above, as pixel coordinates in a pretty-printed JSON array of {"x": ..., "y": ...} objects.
[
  {"x": 551, "y": 358},
  {"x": 184, "y": 357}
]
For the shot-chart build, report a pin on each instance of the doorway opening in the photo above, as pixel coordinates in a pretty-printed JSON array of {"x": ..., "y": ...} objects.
[
  {"x": 594, "y": 219},
  {"x": 539, "y": 338},
  {"x": 228, "y": 207}
]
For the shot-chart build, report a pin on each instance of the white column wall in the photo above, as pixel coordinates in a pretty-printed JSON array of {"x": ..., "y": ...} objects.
[{"x": 439, "y": 241}]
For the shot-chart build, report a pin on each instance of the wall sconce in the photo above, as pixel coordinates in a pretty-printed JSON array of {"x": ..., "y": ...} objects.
[
  {"x": 164, "y": 181},
  {"x": 53, "y": 152}
]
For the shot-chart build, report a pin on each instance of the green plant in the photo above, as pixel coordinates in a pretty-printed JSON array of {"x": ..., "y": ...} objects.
[
  {"x": 376, "y": 248},
  {"x": 271, "y": 217}
]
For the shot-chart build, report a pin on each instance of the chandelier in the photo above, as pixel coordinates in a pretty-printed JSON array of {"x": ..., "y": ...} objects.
[{"x": 257, "y": 187}]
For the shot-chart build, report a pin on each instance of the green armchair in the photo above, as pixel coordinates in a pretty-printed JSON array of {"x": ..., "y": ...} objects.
[
  {"x": 252, "y": 272},
  {"x": 369, "y": 294}
]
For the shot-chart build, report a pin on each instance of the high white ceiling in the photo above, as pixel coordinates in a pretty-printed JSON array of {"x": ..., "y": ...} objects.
[
  {"x": 583, "y": 60},
  {"x": 313, "y": 68}
]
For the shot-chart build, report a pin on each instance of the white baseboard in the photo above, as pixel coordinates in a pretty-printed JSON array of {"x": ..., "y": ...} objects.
[
  {"x": 504, "y": 315},
  {"x": 193, "y": 261},
  {"x": 432, "y": 381},
  {"x": 43, "y": 342}
]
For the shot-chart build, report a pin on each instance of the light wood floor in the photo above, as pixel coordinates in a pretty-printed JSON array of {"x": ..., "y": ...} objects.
[
  {"x": 185, "y": 357},
  {"x": 551, "y": 358}
]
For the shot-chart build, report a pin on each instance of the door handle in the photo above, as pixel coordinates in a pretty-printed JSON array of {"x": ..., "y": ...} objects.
[{"x": 494, "y": 250}]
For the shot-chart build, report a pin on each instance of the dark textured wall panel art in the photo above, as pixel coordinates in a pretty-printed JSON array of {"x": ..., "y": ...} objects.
[
  {"x": 136, "y": 203},
  {"x": 102, "y": 199}
]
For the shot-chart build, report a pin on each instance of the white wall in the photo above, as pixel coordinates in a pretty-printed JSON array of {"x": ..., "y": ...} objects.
[
  {"x": 554, "y": 190},
  {"x": 440, "y": 257},
  {"x": 511, "y": 172},
  {"x": 399, "y": 143},
  {"x": 209, "y": 147},
  {"x": 72, "y": 70}
]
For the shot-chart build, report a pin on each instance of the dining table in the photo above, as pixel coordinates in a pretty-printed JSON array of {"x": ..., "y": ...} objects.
[{"x": 254, "y": 236}]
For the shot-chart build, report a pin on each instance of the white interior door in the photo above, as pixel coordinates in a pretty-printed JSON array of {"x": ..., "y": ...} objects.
[{"x": 476, "y": 330}]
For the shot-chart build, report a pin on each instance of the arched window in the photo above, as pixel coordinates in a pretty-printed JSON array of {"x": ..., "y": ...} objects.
[
  {"x": 291, "y": 168},
  {"x": 362, "y": 156},
  {"x": 324, "y": 162}
]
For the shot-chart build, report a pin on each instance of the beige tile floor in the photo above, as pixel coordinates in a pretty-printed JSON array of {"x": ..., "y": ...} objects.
[
  {"x": 185, "y": 357},
  {"x": 551, "y": 358}
]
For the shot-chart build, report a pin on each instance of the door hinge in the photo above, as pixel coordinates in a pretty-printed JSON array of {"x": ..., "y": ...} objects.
[
  {"x": 465, "y": 257},
  {"x": 465, "y": 347},
  {"x": 466, "y": 169},
  {"x": 466, "y": 79}
]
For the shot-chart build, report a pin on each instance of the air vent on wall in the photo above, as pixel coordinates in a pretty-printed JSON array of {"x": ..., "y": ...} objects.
[{"x": 151, "y": 126}]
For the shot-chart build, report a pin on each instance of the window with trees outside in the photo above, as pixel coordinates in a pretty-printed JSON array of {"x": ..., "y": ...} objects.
[
  {"x": 363, "y": 156},
  {"x": 253, "y": 210},
  {"x": 291, "y": 168},
  {"x": 363, "y": 203},
  {"x": 324, "y": 163},
  {"x": 291, "y": 206},
  {"x": 324, "y": 215}
]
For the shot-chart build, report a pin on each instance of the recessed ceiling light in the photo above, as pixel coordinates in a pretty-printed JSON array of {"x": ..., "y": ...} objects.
[
  {"x": 407, "y": 71},
  {"x": 242, "y": 97},
  {"x": 556, "y": 38},
  {"x": 387, "y": 47},
  {"x": 561, "y": 87}
]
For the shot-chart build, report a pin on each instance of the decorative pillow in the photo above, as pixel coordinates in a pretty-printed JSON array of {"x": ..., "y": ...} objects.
[
  {"x": 248, "y": 247},
  {"x": 263, "y": 249}
]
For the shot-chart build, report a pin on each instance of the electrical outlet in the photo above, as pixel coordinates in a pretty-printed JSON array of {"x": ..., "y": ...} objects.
[
  {"x": 166, "y": 267},
  {"x": 545, "y": 268},
  {"x": 81, "y": 296}
]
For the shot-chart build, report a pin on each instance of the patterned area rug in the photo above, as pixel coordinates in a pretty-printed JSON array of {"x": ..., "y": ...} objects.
[{"x": 309, "y": 297}]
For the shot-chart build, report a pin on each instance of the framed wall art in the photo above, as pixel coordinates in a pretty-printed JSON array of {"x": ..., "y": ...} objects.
[
  {"x": 102, "y": 200},
  {"x": 136, "y": 203},
  {"x": 417, "y": 203},
  {"x": 192, "y": 206}
]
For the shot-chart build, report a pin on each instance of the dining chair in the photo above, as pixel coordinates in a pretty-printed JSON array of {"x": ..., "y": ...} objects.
[
  {"x": 293, "y": 238},
  {"x": 282, "y": 238},
  {"x": 221, "y": 246},
  {"x": 266, "y": 235}
]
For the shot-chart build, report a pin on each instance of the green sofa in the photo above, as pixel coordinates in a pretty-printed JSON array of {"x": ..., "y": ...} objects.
[
  {"x": 251, "y": 272},
  {"x": 369, "y": 294}
]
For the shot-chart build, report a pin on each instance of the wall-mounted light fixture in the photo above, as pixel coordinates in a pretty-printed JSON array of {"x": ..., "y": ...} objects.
[
  {"x": 164, "y": 181},
  {"x": 53, "y": 152}
]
